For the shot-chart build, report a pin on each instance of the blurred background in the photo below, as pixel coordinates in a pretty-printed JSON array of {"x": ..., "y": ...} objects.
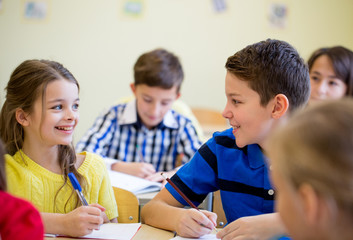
[{"x": 99, "y": 41}]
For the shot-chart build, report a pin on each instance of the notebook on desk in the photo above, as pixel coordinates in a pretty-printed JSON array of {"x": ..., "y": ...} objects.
[{"x": 133, "y": 184}]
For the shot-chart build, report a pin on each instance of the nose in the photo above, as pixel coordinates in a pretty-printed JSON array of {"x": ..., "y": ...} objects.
[
  {"x": 321, "y": 87},
  {"x": 70, "y": 114},
  {"x": 226, "y": 112},
  {"x": 155, "y": 109}
]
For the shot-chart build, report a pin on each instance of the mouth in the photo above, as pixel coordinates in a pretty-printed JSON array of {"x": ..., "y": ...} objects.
[
  {"x": 235, "y": 129},
  {"x": 65, "y": 128}
]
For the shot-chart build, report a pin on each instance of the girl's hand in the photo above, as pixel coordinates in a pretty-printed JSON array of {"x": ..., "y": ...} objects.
[
  {"x": 83, "y": 220},
  {"x": 103, "y": 215},
  {"x": 194, "y": 223}
]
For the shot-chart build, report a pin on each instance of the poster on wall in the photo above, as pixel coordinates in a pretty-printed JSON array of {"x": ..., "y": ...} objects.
[
  {"x": 278, "y": 15},
  {"x": 219, "y": 6},
  {"x": 132, "y": 8},
  {"x": 35, "y": 10}
]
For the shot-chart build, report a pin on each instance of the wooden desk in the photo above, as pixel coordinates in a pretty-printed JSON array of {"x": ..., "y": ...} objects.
[{"x": 146, "y": 232}]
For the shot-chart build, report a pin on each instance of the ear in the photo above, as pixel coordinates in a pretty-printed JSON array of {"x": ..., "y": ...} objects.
[
  {"x": 133, "y": 88},
  {"x": 280, "y": 106},
  {"x": 178, "y": 95},
  {"x": 22, "y": 117},
  {"x": 311, "y": 204}
]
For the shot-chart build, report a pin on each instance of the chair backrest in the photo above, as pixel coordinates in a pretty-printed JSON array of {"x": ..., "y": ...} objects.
[
  {"x": 128, "y": 206},
  {"x": 210, "y": 120},
  {"x": 217, "y": 208}
]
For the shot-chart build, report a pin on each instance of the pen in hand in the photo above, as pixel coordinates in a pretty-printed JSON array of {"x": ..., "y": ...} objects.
[
  {"x": 139, "y": 150},
  {"x": 182, "y": 195},
  {"x": 78, "y": 189}
]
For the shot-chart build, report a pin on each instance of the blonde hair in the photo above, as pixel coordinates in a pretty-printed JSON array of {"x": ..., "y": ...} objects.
[
  {"x": 315, "y": 147},
  {"x": 28, "y": 82}
]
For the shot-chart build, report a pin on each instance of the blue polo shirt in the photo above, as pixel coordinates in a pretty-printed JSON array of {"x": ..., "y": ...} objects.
[{"x": 240, "y": 174}]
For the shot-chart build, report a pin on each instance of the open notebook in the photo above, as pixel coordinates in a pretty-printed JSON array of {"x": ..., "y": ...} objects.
[
  {"x": 114, "y": 231},
  {"x": 133, "y": 184}
]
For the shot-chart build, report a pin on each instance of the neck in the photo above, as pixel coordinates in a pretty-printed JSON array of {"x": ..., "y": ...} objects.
[{"x": 43, "y": 155}]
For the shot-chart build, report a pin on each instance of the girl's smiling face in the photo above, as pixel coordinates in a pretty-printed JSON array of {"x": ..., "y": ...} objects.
[
  {"x": 324, "y": 82},
  {"x": 55, "y": 116}
]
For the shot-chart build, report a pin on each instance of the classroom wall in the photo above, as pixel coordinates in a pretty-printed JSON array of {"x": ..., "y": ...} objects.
[{"x": 99, "y": 43}]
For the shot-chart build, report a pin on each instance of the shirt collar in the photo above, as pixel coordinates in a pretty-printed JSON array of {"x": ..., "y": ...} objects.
[
  {"x": 129, "y": 116},
  {"x": 255, "y": 156}
]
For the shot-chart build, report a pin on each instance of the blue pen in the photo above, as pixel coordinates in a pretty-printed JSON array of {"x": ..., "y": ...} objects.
[{"x": 78, "y": 188}]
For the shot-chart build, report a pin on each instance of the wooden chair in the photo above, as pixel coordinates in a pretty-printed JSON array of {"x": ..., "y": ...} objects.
[
  {"x": 128, "y": 206},
  {"x": 210, "y": 120},
  {"x": 217, "y": 207}
]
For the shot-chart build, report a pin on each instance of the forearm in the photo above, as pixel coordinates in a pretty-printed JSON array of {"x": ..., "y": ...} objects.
[
  {"x": 166, "y": 217},
  {"x": 54, "y": 223}
]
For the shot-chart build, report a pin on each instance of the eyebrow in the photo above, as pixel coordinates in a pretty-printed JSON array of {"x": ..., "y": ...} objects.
[
  {"x": 234, "y": 94},
  {"x": 164, "y": 99},
  {"x": 62, "y": 100},
  {"x": 318, "y": 73}
]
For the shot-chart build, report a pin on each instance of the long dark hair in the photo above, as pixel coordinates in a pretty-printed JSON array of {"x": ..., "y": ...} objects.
[
  {"x": 28, "y": 82},
  {"x": 342, "y": 63},
  {"x": 2, "y": 168}
]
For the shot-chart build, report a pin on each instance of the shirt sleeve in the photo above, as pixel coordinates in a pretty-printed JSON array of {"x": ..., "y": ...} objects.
[
  {"x": 196, "y": 178},
  {"x": 98, "y": 138},
  {"x": 189, "y": 142},
  {"x": 106, "y": 196}
]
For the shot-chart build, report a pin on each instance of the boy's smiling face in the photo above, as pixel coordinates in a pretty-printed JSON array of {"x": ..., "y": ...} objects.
[
  {"x": 153, "y": 103},
  {"x": 251, "y": 122}
]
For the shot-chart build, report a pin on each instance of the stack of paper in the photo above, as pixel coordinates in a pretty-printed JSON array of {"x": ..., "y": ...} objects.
[
  {"x": 207, "y": 236},
  {"x": 133, "y": 184},
  {"x": 117, "y": 231}
]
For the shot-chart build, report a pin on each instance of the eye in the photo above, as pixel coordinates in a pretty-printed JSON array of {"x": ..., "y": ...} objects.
[
  {"x": 314, "y": 78},
  {"x": 57, "y": 107},
  {"x": 147, "y": 100},
  {"x": 235, "y": 101},
  {"x": 166, "y": 103},
  {"x": 333, "y": 83},
  {"x": 75, "y": 106}
]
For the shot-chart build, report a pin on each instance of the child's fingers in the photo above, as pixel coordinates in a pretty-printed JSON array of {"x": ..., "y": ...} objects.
[
  {"x": 202, "y": 219},
  {"x": 212, "y": 216},
  {"x": 94, "y": 220},
  {"x": 98, "y": 206},
  {"x": 156, "y": 177}
]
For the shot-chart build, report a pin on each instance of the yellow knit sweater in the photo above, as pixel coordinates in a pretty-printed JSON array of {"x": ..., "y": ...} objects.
[{"x": 28, "y": 180}]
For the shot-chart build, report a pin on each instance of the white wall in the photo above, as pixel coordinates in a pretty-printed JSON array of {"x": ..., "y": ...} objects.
[{"x": 99, "y": 45}]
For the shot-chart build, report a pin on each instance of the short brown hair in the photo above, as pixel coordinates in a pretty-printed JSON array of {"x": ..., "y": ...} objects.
[
  {"x": 159, "y": 68},
  {"x": 272, "y": 67},
  {"x": 315, "y": 147}
]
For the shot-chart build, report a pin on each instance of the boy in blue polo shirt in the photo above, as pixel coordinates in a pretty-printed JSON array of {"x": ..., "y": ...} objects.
[
  {"x": 264, "y": 83},
  {"x": 144, "y": 137}
]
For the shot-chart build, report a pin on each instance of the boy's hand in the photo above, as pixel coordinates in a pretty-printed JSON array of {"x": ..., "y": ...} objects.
[
  {"x": 141, "y": 170},
  {"x": 265, "y": 226},
  {"x": 194, "y": 223},
  {"x": 83, "y": 220},
  {"x": 157, "y": 177}
]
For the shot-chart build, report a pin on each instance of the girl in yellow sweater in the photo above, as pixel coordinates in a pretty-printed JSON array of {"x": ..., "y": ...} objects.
[{"x": 37, "y": 122}]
